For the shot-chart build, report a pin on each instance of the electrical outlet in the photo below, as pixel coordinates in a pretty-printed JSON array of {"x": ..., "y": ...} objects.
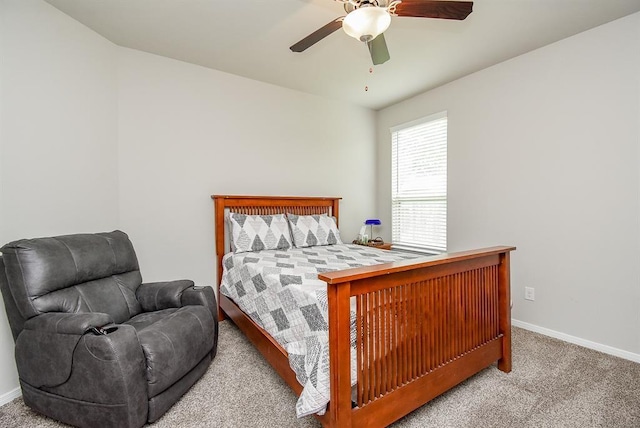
[{"x": 529, "y": 293}]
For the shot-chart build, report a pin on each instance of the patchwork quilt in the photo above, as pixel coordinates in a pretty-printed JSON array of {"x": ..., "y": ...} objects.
[{"x": 281, "y": 292}]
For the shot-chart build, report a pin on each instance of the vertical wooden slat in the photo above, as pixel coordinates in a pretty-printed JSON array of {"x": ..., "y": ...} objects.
[
  {"x": 395, "y": 377},
  {"x": 412, "y": 352},
  {"x": 374, "y": 345},
  {"x": 433, "y": 297},
  {"x": 474, "y": 336},
  {"x": 360, "y": 343},
  {"x": 496, "y": 288},
  {"x": 450, "y": 313},
  {"x": 493, "y": 298},
  {"x": 476, "y": 279},
  {"x": 469, "y": 318},
  {"x": 491, "y": 315},
  {"x": 381, "y": 339},
  {"x": 504, "y": 302},
  {"x": 445, "y": 321},
  {"x": 416, "y": 330},
  {"x": 472, "y": 310},
  {"x": 426, "y": 327},
  {"x": 430, "y": 326},
  {"x": 367, "y": 349},
  {"x": 423, "y": 347},
  {"x": 409, "y": 330},
  {"x": 483, "y": 305},
  {"x": 487, "y": 303},
  {"x": 390, "y": 326},
  {"x": 476, "y": 319},
  {"x": 400, "y": 321},
  {"x": 436, "y": 302},
  {"x": 371, "y": 347},
  {"x": 417, "y": 334},
  {"x": 463, "y": 311},
  {"x": 481, "y": 312},
  {"x": 436, "y": 321},
  {"x": 441, "y": 321},
  {"x": 459, "y": 314},
  {"x": 407, "y": 341},
  {"x": 453, "y": 327},
  {"x": 378, "y": 359},
  {"x": 454, "y": 316},
  {"x": 405, "y": 335},
  {"x": 384, "y": 344}
]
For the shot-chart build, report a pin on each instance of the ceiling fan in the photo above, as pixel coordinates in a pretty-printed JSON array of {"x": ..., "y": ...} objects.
[{"x": 366, "y": 20}]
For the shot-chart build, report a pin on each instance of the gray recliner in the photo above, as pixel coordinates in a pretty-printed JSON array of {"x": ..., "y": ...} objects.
[{"x": 95, "y": 346}]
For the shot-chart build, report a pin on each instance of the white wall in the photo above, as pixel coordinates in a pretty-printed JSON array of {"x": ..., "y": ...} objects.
[
  {"x": 543, "y": 155},
  {"x": 187, "y": 132},
  {"x": 59, "y": 159},
  {"x": 57, "y": 134}
]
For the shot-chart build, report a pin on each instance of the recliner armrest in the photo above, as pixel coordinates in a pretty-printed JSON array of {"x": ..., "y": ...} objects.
[
  {"x": 154, "y": 296},
  {"x": 203, "y": 296},
  {"x": 67, "y": 323}
]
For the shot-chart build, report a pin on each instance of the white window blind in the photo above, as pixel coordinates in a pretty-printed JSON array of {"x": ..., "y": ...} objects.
[{"x": 419, "y": 184}]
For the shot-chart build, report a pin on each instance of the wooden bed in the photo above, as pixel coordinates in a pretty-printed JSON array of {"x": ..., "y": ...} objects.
[{"x": 423, "y": 325}]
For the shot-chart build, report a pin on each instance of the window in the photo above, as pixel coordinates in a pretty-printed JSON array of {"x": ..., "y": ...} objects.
[{"x": 419, "y": 184}]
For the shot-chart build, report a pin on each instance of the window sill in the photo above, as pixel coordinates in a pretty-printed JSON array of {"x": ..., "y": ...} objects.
[{"x": 421, "y": 251}]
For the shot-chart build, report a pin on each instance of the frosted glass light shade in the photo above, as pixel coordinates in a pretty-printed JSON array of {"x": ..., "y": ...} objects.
[{"x": 366, "y": 23}]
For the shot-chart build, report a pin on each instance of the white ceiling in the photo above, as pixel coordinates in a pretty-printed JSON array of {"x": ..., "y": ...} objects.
[{"x": 251, "y": 38}]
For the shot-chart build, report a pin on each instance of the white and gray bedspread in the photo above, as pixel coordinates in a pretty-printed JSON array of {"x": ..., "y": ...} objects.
[{"x": 281, "y": 292}]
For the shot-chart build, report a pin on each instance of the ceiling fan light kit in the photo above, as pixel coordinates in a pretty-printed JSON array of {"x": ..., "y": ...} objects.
[
  {"x": 367, "y": 20},
  {"x": 366, "y": 23}
]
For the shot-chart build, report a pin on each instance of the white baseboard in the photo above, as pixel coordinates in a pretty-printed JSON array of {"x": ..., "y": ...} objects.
[
  {"x": 578, "y": 341},
  {"x": 10, "y": 396}
]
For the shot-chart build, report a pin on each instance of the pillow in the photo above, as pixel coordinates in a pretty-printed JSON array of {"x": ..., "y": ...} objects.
[
  {"x": 310, "y": 230},
  {"x": 258, "y": 232}
]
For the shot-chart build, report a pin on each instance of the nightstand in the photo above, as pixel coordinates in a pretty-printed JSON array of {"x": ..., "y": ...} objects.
[{"x": 385, "y": 246}]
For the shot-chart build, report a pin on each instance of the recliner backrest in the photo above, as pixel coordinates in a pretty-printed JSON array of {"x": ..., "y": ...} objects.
[{"x": 74, "y": 273}]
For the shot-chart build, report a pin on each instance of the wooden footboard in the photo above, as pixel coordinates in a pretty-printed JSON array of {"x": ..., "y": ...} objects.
[
  {"x": 422, "y": 325},
  {"x": 422, "y": 328}
]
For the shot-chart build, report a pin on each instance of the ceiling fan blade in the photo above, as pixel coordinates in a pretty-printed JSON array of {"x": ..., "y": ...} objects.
[
  {"x": 435, "y": 9},
  {"x": 378, "y": 50},
  {"x": 317, "y": 35}
]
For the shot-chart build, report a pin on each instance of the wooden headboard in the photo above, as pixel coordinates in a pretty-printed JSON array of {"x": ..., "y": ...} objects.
[{"x": 265, "y": 205}]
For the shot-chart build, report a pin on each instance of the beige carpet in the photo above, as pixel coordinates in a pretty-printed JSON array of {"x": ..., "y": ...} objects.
[{"x": 553, "y": 384}]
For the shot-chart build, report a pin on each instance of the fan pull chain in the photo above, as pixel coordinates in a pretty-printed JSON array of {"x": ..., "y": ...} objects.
[{"x": 366, "y": 87}]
